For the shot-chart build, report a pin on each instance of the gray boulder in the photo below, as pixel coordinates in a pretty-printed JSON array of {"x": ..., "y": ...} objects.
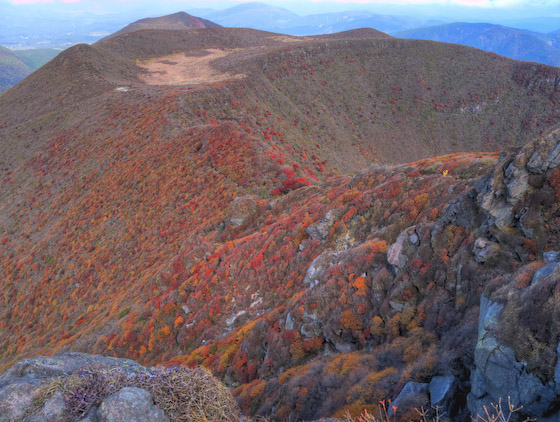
[
  {"x": 485, "y": 251},
  {"x": 15, "y": 398},
  {"x": 413, "y": 395},
  {"x": 545, "y": 271},
  {"x": 319, "y": 231},
  {"x": 130, "y": 404},
  {"x": 43, "y": 367},
  {"x": 551, "y": 256},
  {"x": 52, "y": 411},
  {"x": 442, "y": 389}
]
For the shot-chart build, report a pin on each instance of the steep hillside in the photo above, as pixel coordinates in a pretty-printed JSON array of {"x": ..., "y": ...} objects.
[
  {"x": 13, "y": 68},
  {"x": 37, "y": 57},
  {"x": 510, "y": 42},
  {"x": 186, "y": 197},
  {"x": 176, "y": 21}
]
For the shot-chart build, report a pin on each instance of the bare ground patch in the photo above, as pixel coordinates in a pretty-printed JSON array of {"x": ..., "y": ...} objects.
[{"x": 186, "y": 69}]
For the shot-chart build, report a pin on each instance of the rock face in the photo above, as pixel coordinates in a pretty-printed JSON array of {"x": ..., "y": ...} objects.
[{"x": 498, "y": 374}]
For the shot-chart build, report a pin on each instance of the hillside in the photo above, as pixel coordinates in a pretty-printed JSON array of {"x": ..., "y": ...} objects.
[
  {"x": 176, "y": 21},
  {"x": 232, "y": 198},
  {"x": 12, "y": 68},
  {"x": 37, "y": 57},
  {"x": 510, "y": 42},
  {"x": 16, "y": 65}
]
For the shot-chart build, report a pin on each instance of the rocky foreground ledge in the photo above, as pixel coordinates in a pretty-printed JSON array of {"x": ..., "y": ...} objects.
[{"x": 86, "y": 388}]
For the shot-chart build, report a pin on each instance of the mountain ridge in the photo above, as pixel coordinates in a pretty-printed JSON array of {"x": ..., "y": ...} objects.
[
  {"x": 298, "y": 231},
  {"x": 510, "y": 42}
]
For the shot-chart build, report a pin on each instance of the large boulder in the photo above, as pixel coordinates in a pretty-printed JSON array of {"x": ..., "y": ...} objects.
[
  {"x": 442, "y": 390},
  {"x": 414, "y": 395},
  {"x": 130, "y": 404}
]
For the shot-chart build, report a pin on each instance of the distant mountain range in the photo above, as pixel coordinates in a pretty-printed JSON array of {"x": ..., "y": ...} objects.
[
  {"x": 520, "y": 44},
  {"x": 510, "y": 42},
  {"x": 276, "y": 19},
  {"x": 16, "y": 65}
]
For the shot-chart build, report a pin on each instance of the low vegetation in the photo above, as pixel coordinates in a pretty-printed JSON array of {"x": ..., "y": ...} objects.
[
  {"x": 265, "y": 227},
  {"x": 185, "y": 395}
]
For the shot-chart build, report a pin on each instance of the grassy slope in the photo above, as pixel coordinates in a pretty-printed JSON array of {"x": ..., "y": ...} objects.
[
  {"x": 37, "y": 57},
  {"x": 116, "y": 207},
  {"x": 13, "y": 68}
]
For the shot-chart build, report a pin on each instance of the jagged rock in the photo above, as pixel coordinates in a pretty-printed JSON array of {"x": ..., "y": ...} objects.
[
  {"x": 289, "y": 322},
  {"x": 497, "y": 373},
  {"x": 551, "y": 256},
  {"x": 320, "y": 230},
  {"x": 397, "y": 253},
  {"x": 442, "y": 389},
  {"x": 242, "y": 208},
  {"x": 517, "y": 182},
  {"x": 413, "y": 395},
  {"x": 318, "y": 267},
  {"x": 396, "y": 306},
  {"x": 130, "y": 404},
  {"x": 545, "y": 271},
  {"x": 484, "y": 250},
  {"x": 311, "y": 326},
  {"x": 546, "y": 156}
]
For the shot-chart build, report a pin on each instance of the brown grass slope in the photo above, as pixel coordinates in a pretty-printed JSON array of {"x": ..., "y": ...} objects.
[
  {"x": 176, "y": 21},
  {"x": 154, "y": 219}
]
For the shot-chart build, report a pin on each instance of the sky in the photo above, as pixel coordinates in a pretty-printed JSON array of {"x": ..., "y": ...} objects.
[
  {"x": 513, "y": 7},
  {"x": 56, "y": 23}
]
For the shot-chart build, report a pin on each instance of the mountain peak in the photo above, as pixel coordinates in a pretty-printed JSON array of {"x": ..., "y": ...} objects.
[{"x": 175, "y": 21}]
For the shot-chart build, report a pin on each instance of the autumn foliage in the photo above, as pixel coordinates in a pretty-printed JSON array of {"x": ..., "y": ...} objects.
[{"x": 219, "y": 225}]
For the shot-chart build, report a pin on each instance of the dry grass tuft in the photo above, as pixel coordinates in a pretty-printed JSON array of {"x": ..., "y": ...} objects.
[{"x": 185, "y": 395}]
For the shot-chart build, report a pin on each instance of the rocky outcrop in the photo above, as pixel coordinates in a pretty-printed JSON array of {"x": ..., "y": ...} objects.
[
  {"x": 498, "y": 374},
  {"x": 320, "y": 230},
  {"x": 19, "y": 386},
  {"x": 512, "y": 181},
  {"x": 85, "y": 388},
  {"x": 241, "y": 209}
]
